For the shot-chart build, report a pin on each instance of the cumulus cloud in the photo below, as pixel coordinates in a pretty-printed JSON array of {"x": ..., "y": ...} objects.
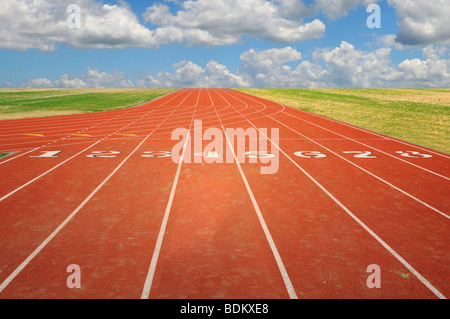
[
  {"x": 434, "y": 71},
  {"x": 345, "y": 66},
  {"x": 422, "y": 21},
  {"x": 390, "y": 41},
  {"x": 268, "y": 67},
  {"x": 91, "y": 79},
  {"x": 42, "y": 24},
  {"x": 189, "y": 74},
  {"x": 349, "y": 67},
  {"x": 217, "y": 22},
  {"x": 335, "y": 9},
  {"x": 267, "y": 61},
  {"x": 295, "y": 9},
  {"x": 342, "y": 66}
]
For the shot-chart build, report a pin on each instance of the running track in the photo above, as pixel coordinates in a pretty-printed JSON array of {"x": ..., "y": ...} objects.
[{"x": 100, "y": 191}]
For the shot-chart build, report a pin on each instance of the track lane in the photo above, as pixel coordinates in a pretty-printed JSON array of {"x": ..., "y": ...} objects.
[
  {"x": 325, "y": 252},
  {"x": 32, "y": 167},
  {"x": 430, "y": 261},
  {"x": 26, "y": 226},
  {"x": 33, "y": 143},
  {"x": 426, "y": 187},
  {"x": 213, "y": 245},
  {"x": 366, "y": 138}
]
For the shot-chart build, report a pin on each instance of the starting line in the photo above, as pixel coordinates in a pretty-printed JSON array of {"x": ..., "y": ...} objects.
[{"x": 250, "y": 154}]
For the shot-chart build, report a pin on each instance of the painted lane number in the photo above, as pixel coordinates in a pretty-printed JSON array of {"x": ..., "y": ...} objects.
[
  {"x": 260, "y": 154},
  {"x": 413, "y": 154},
  {"x": 310, "y": 154},
  {"x": 361, "y": 154}
]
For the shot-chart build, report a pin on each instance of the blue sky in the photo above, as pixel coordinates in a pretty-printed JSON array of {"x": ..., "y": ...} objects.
[{"x": 219, "y": 43}]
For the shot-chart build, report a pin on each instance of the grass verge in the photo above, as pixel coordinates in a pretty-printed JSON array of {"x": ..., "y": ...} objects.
[{"x": 26, "y": 103}]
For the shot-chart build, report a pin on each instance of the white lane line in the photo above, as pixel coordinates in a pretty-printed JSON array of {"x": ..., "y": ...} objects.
[
  {"x": 65, "y": 161},
  {"x": 95, "y": 125},
  {"x": 17, "y": 271},
  {"x": 53, "y": 168},
  {"x": 287, "y": 281},
  {"x": 372, "y": 147},
  {"x": 422, "y": 279},
  {"x": 154, "y": 261},
  {"x": 370, "y": 173},
  {"x": 366, "y": 171},
  {"x": 21, "y": 154}
]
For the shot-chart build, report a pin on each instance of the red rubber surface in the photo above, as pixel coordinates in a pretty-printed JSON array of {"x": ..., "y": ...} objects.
[{"x": 220, "y": 230}]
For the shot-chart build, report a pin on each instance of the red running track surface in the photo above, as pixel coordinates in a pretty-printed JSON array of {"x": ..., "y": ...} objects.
[{"x": 101, "y": 191}]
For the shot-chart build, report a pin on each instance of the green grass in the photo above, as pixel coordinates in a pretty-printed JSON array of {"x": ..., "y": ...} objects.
[
  {"x": 3, "y": 154},
  {"x": 25, "y": 103},
  {"x": 420, "y": 116}
]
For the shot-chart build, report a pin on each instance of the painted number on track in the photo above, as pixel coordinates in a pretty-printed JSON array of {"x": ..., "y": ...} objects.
[
  {"x": 361, "y": 154},
  {"x": 149, "y": 154},
  {"x": 48, "y": 154},
  {"x": 214, "y": 154},
  {"x": 310, "y": 154},
  {"x": 106, "y": 154},
  {"x": 413, "y": 154}
]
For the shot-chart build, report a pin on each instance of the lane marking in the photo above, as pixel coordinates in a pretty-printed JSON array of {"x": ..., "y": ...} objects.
[
  {"x": 348, "y": 138},
  {"x": 364, "y": 226},
  {"x": 364, "y": 170},
  {"x": 37, "y": 135},
  {"x": 80, "y": 134},
  {"x": 176, "y": 93},
  {"x": 154, "y": 261},
  {"x": 131, "y": 135},
  {"x": 370, "y": 173},
  {"x": 372, "y": 147},
  {"x": 16, "y": 272},
  {"x": 287, "y": 281},
  {"x": 65, "y": 161}
]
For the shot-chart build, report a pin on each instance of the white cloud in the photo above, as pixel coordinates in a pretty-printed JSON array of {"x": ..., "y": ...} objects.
[
  {"x": 268, "y": 68},
  {"x": 343, "y": 66},
  {"x": 432, "y": 72},
  {"x": 422, "y": 21},
  {"x": 189, "y": 74},
  {"x": 349, "y": 67},
  {"x": 253, "y": 62},
  {"x": 295, "y": 9},
  {"x": 390, "y": 41},
  {"x": 335, "y": 9},
  {"x": 41, "y": 24},
  {"x": 216, "y": 22},
  {"x": 91, "y": 79}
]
